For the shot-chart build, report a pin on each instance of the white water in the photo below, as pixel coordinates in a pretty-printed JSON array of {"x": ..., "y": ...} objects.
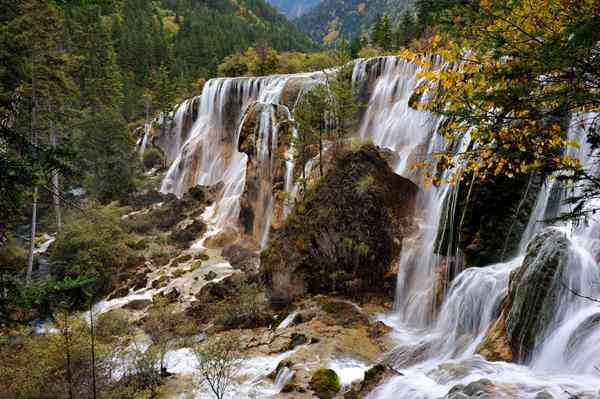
[{"x": 434, "y": 352}]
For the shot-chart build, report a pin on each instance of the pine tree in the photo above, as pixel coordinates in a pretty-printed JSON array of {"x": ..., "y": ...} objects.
[
  {"x": 343, "y": 101},
  {"x": 377, "y": 33},
  {"x": 406, "y": 30},
  {"x": 106, "y": 152},
  {"x": 355, "y": 46},
  {"x": 46, "y": 66},
  {"x": 162, "y": 94}
]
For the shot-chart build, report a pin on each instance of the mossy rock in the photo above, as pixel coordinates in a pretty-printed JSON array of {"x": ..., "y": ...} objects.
[
  {"x": 344, "y": 235},
  {"x": 493, "y": 215},
  {"x": 325, "y": 383},
  {"x": 533, "y": 297}
]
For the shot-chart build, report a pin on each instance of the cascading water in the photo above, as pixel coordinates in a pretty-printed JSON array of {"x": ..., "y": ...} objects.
[
  {"x": 436, "y": 347},
  {"x": 390, "y": 122},
  {"x": 211, "y": 153},
  {"x": 436, "y": 358}
]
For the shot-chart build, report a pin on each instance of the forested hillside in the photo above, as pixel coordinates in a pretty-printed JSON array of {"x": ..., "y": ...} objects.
[
  {"x": 294, "y": 8},
  {"x": 348, "y": 18},
  {"x": 190, "y": 38}
]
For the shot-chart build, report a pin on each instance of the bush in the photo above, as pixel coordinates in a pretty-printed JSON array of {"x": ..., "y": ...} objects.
[
  {"x": 92, "y": 243},
  {"x": 325, "y": 383},
  {"x": 152, "y": 158},
  {"x": 244, "y": 311}
]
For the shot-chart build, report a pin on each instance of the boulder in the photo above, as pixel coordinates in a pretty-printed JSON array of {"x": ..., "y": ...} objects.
[
  {"x": 480, "y": 389},
  {"x": 344, "y": 235},
  {"x": 188, "y": 232},
  {"x": 242, "y": 258},
  {"x": 325, "y": 383},
  {"x": 374, "y": 377},
  {"x": 533, "y": 295}
]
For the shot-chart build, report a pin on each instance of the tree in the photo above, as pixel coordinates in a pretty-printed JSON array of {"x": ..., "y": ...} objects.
[
  {"x": 382, "y": 33},
  {"x": 47, "y": 83},
  {"x": 91, "y": 244},
  {"x": 163, "y": 92},
  {"x": 218, "y": 364},
  {"x": 405, "y": 31},
  {"x": 343, "y": 102},
  {"x": 530, "y": 66},
  {"x": 266, "y": 60},
  {"x": 107, "y": 156},
  {"x": 355, "y": 46},
  {"x": 160, "y": 324},
  {"x": 311, "y": 115}
]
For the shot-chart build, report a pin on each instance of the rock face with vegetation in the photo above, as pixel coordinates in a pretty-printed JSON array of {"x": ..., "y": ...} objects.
[
  {"x": 265, "y": 171},
  {"x": 491, "y": 217},
  {"x": 533, "y": 295},
  {"x": 344, "y": 234}
]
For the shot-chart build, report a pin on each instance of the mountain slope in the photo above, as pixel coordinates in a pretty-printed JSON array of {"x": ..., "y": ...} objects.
[
  {"x": 294, "y": 8},
  {"x": 349, "y": 17}
]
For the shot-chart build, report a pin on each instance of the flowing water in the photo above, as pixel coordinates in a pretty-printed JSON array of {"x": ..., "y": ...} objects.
[{"x": 441, "y": 312}]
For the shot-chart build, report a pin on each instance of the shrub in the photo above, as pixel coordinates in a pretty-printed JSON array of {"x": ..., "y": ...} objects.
[
  {"x": 152, "y": 158},
  {"x": 92, "y": 243}
]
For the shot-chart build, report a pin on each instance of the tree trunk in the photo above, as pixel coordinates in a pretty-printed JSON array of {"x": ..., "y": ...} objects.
[
  {"x": 35, "y": 189},
  {"x": 321, "y": 128},
  {"x": 56, "y": 182},
  {"x": 67, "y": 337},
  {"x": 93, "y": 348},
  {"x": 32, "y": 237}
]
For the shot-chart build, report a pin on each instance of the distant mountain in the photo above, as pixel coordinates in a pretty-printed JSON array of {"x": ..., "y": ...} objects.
[
  {"x": 351, "y": 17},
  {"x": 294, "y": 8}
]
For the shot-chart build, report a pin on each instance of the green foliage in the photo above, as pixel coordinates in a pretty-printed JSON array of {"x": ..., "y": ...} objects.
[
  {"x": 325, "y": 383},
  {"x": 243, "y": 311},
  {"x": 93, "y": 244},
  {"x": 259, "y": 62},
  {"x": 352, "y": 18},
  {"x": 106, "y": 157},
  {"x": 365, "y": 183},
  {"x": 406, "y": 30},
  {"x": 382, "y": 33}
]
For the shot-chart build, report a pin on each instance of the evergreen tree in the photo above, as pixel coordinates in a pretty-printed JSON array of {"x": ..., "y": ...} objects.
[
  {"x": 311, "y": 114},
  {"x": 406, "y": 30},
  {"x": 382, "y": 34},
  {"x": 342, "y": 98},
  {"x": 355, "y": 46},
  {"x": 47, "y": 86},
  {"x": 107, "y": 152},
  {"x": 99, "y": 77},
  {"x": 162, "y": 93}
]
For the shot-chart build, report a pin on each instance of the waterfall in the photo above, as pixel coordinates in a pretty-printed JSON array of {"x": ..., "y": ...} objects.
[
  {"x": 441, "y": 312},
  {"x": 145, "y": 138},
  {"x": 211, "y": 152},
  {"x": 390, "y": 122}
]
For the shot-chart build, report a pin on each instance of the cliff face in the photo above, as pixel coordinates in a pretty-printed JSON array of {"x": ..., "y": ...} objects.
[{"x": 344, "y": 235}]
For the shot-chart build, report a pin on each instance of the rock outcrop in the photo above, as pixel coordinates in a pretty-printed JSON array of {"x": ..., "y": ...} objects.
[
  {"x": 532, "y": 299},
  {"x": 345, "y": 233},
  {"x": 489, "y": 218},
  {"x": 265, "y": 135}
]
